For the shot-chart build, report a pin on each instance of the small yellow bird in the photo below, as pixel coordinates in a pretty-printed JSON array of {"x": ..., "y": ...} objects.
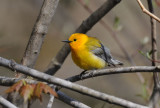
[{"x": 89, "y": 53}]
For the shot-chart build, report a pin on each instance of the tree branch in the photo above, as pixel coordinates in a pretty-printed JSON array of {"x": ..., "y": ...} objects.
[
  {"x": 86, "y": 25},
  {"x": 155, "y": 93},
  {"x": 70, "y": 101},
  {"x": 6, "y": 103},
  {"x": 147, "y": 12},
  {"x": 154, "y": 43},
  {"x": 133, "y": 69},
  {"x": 39, "y": 32},
  {"x": 75, "y": 87},
  {"x": 6, "y": 81},
  {"x": 51, "y": 100}
]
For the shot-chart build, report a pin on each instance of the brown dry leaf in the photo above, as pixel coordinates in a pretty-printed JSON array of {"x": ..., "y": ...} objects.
[
  {"x": 38, "y": 90},
  {"x": 30, "y": 91},
  {"x": 48, "y": 89},
  {"x": 42, "y": 87},
  {"x": 27, "y": 91},
  {"x": 16, "y": 87}
]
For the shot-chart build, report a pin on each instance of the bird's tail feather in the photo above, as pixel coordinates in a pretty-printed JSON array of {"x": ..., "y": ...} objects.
[
  {"x": 114, "y": 62},
  {"x": 117, "y": 62}
]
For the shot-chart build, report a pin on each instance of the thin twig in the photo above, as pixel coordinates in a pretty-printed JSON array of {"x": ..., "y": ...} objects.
[
  {"x": 75, "y": 87},
  {"x": 66, "y": 99},
  {"x": 50, "y": 103},
  {"x": 147, "y": 12},
  {"x": 6, "y": 103},
  {"x": 154, "y": 43},
  {"x": 7, "y": 81},
  {"x": 86, "y": 25},
  {"x": 155, "y": 93},
  {"x": 51, "y": 99}
]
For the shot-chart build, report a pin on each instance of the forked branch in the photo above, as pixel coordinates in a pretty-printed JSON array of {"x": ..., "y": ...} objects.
[
  {"x": 147, "y": 12},
  {"x": 75, "y": 87}
]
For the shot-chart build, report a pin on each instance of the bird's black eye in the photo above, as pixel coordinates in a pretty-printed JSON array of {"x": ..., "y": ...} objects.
[{"x": 74, "y": 39}]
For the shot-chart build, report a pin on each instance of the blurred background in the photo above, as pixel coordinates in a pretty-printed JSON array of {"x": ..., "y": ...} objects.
[{"x": 126, "y": 20}]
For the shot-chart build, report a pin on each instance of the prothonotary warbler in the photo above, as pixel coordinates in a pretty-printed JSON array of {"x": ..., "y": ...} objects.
[{"x": 89, "y": 53}]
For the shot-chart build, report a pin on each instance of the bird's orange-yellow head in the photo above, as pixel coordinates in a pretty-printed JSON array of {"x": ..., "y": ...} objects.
[{"x": 77, "y": 40}]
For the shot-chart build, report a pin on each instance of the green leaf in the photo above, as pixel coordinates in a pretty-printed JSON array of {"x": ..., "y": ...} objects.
[
  {"x": 116, "y": 24},
  {"x": 148, "y": 55},
  {"x": 141, "y": 52}
]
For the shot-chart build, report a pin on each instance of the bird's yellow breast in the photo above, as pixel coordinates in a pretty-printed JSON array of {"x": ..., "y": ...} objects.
[{"x": 86, "y": 59}]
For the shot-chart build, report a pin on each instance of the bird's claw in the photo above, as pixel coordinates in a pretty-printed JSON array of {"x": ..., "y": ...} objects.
[
  {"x": 91, "y": 74},
  {"x": 82, "y": 74}
]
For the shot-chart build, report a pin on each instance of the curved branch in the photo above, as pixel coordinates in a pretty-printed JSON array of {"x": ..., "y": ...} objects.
[
  {"x": 147, "y": 12},
  {"x": 133, "y": 69},
  {"x": 75, "y": 87}
]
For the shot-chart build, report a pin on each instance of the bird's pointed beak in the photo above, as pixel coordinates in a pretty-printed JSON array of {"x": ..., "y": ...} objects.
[{"x": 67, "y": 41}]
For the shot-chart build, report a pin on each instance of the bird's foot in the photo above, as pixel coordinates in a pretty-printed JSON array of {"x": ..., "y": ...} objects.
[
  {"x": 82, "y": 74},
  {"x": 91, "y": 74}
]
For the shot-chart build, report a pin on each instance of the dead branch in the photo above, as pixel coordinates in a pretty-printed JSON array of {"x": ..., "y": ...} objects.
[{"x": 147, "y": 12}]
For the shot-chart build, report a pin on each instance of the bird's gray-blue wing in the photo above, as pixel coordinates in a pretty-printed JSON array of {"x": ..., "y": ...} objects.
[{"x": 104, "y": 53}]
